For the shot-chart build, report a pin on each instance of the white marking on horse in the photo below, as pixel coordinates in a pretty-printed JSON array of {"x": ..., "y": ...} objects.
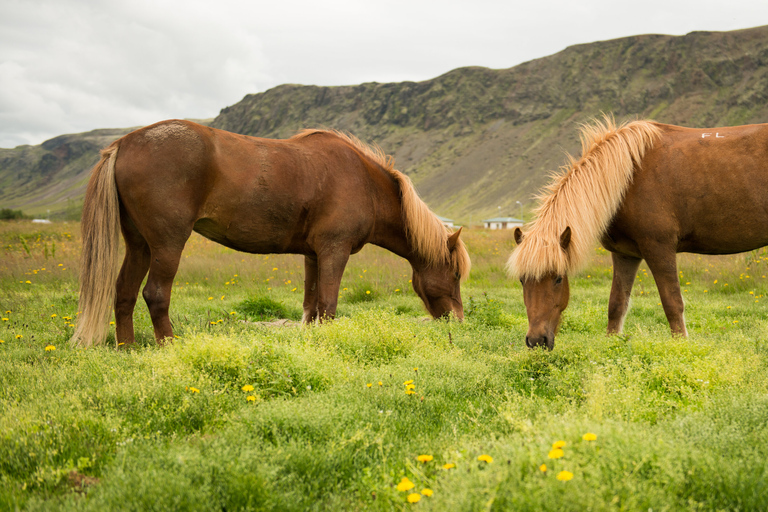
[{"x": 717, "y": 135}]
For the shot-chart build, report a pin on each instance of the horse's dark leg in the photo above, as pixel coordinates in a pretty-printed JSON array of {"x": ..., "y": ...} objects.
[
  {"x": 662, "y": 261},
  {"x": 310, "y": 289},
  {"x": 624, "y": 272},
  {"x": 157, "y": 291},
  {"x": 330, "y": 268},
  {"x": 135, "y": 266}
]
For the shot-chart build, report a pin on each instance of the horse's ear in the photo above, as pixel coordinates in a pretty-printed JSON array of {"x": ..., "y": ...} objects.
[
  {"x": 453, "y": 240},
  {"x": 518, "y": 236},
  {"x": 565, "y": 238}
]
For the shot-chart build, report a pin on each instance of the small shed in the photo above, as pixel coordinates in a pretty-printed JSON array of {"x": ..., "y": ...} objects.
[
  {"x": 502, "y": 223},
  {"x": 446, "y": 222}
]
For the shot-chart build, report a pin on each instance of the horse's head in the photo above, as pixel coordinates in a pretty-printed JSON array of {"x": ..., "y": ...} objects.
[
  {"x": 545, "y": 300},
  {"x": 439, "y": 284}
]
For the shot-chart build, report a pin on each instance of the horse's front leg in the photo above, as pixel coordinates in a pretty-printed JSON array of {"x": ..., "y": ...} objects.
[
  {"x": 662, "y": 261},
  {"x": 624, "y": 272},
  {"x": 330, "y": 268},
  {"x": 310, "y": 289}
]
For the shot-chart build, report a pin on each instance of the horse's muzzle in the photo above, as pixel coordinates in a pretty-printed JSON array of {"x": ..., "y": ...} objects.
[{"x": 547, "y": 342}]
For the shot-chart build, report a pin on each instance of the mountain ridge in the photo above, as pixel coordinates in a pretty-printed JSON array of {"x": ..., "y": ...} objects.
[{"x": 478, "y": 141}]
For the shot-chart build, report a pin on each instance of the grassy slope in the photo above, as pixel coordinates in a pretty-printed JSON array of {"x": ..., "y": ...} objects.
[
  {"x": 680, "y": 423},
  {"x": 474, "y": 139}
]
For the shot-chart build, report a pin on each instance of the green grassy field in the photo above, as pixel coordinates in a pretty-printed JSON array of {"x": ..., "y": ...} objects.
[{"x": 238, "y": 414}]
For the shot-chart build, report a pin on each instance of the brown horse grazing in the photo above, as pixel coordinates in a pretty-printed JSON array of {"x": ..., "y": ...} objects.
[
  {"x": 321, "y": 194},
  {"x": 645, "y": 190}
]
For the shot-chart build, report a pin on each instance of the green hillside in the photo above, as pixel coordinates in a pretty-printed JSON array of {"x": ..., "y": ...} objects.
[{"x": 475, "y": 140}]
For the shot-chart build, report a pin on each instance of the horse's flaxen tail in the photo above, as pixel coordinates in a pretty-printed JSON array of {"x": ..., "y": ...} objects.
[{"x": 99, "y": 260}]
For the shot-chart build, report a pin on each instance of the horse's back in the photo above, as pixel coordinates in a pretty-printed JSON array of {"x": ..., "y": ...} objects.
[
  {"x": 705, "y": 188},
  {"x": 249, "y": 193}
]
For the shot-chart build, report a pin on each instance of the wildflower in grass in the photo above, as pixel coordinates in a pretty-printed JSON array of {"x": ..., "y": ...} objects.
[
  {"x": 427, "y": 492},
  {"x": 485, "y": 458},
  {"x": 54, "y": 315},
  {"x": 247, "y": 388},
  {"x": 2, "y": 341},
  {"x": 5, "y": 319},
  {"x": 28, "y": 282},
  {"x": 210, "y": 298},
  {"x": 589, "y": 436},
  {"x": 49, "y": 348},
  {"x": 19, "y": 336},
  {"x": 193, "y": 390},
  {"x": 112, "y": 323},
  {"x": 381, "y": 383},
  {"x": 543, "y": 468},
  {"x": 424, "y": 458},
  {"x": 405, "y": 485},
  {"x": 564, "y": 476},
  {"x": 450, "y": 465},
  {"x": 250, "y": 398},
  {"x": 558, "y": 444},
  {"x": 370, "y": 384},
  {"x": 413, "y": 497},
  {"x": 408, "y": 382},
  {"x": 410, "y": 392},
  {"x": 367, "y": 292},
  {"x": 556, "y": 453},
  {"x": 410, "y": 386}
]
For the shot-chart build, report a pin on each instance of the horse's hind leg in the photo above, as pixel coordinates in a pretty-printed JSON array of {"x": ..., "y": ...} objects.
[
  {"x": 135, "y": 266},
  {"x": 624, "y": 272},
  {"x": 310, "y": 290},
  {"x": 157, "y": 291}
]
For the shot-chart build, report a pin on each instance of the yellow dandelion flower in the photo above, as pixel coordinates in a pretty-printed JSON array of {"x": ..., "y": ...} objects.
[
  {"x": 5, "y": 319},
  {"x": 247, "y": 388},
  {"x": 543, "y": 468},
  {"x": 370, "y": 384},
  {"x": 28, "y": 282},
  {"x": 413, "y": 497},
  {"x": 556, "y": 453},
  {"x": 558, "y": 444},
  {"x": 112, "y": 323},
  {"x": 210, "y": 298},
  {"x": 381, "y": 383},
  {"x": 250, "y": 398},
  {"x": 424, "y": 458},
  {"x": 54, "y": 315},
  {"x": 232, "y": 313},
  {"x": 367, "y": 292},
  {"x": 410, "y": 392},
  {"x": 405, "y": 485},
  {"x": 19, "y": 336},
  {"x": 485, "y": 458},
  {"x": 450, "y": 465},
  {"x": 410, "y": 386},
  {"x": 408, "y": 382},
  {"x": 193, "y": 390},
  {"x": 564, "y": 476},
  {"x": 49, "y": 348},
  {"x": 589, "y": 436},
  {"x": 427, "y": 492}
]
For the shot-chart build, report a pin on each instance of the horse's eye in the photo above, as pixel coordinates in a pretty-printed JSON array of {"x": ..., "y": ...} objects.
[
  {"x": 521, "y": 281},
  {"x": 558, "y": 280}
]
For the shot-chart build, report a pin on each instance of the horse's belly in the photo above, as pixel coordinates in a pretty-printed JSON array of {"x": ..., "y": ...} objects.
[{"x": 256, "y": 241}]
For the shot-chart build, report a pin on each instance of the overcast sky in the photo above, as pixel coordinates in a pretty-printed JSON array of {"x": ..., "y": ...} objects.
[{"x": 69, "y": 66}]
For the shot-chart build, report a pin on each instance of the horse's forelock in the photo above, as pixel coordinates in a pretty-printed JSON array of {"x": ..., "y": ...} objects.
[{"x": 584, "y": 196}]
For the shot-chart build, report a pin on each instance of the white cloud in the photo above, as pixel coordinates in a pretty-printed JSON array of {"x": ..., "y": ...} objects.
[{"x": 70, "y": 66}]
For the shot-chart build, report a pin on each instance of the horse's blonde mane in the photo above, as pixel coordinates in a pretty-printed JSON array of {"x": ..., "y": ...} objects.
[
  {"x": 427, "y": 235},
  {"x": 585, "y": 196}
]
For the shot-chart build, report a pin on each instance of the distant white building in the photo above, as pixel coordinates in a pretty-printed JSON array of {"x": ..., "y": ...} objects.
[
  {"x": 446, "y": 222},
  {"x": 502, "y": 223}
]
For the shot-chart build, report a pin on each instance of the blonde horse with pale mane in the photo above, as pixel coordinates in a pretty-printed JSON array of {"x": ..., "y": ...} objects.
[
  {"x": 320, "y": 194},
  {"x": 645, "y": 191}
]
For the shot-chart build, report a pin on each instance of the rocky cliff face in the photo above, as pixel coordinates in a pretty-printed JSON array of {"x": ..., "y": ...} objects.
[{"x": 475, "y": 140}]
